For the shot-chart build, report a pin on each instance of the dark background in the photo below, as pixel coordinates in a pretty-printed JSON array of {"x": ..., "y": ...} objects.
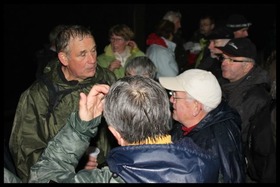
[{"x": 26, "y": 29}]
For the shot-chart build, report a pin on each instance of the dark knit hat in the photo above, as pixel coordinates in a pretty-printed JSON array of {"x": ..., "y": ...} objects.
[{"x": 236, "y": 22}]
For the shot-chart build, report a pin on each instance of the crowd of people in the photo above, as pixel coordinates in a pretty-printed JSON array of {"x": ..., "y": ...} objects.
[{"x": 177, "y": 112}]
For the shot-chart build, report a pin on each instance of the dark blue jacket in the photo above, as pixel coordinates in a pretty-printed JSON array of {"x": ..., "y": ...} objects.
[
  {"x": 182, "y": 162},
  {"x": 219, "y": 133}
]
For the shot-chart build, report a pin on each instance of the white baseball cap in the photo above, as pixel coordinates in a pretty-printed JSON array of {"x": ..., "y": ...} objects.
[{"x": 200, "y": 84}]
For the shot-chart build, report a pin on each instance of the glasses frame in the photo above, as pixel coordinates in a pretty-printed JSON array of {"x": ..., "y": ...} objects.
[
  {"x": 111, "y": 39},
  {"x": 172, "y": 94},
  {"x": 222, "y": 58}
]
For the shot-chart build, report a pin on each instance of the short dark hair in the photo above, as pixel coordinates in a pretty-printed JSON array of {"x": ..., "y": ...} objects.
[{"x": 164, "y": 28}]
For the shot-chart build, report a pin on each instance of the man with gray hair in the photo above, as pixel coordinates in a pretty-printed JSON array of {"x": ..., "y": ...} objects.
[{"x": 142, "y": 66}]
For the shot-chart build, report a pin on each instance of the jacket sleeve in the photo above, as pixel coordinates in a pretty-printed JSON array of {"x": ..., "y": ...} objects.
[
  {"x": 9, "y": 177},
  {"x": 63, "y": 152},
  {"x": 28, "y": 138}
]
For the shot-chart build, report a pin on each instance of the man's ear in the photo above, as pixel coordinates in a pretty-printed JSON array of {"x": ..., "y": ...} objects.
[
  {"x": 63, "y": 58},
  {"x": 117, "y": 135},
  {"x": 248, "y": 66}
]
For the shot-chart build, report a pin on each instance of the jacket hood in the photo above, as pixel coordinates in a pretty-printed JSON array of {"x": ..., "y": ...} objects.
[{"x": 164, "y": 163}]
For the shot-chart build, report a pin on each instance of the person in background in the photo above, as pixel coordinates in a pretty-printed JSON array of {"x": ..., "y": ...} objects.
[
  {"x": 261, "y": 146},
  {"x": 161, "y": 49},
  {"x": 48, "y": 53},
  {"x": 136, "y": 109},
  {"x": 180, "y": 52},
  {"x": 218, "y": 38},
  {"x": 141, "y": 65},
  {"x": 239, "y": 25},
  {"x": 45, "y": 106},
  {"x": 201, "y": 115},
  {"x": 120, "y": 50},
  {"x": 199, "y": 42},
  {"x": 248, "y": 88}
]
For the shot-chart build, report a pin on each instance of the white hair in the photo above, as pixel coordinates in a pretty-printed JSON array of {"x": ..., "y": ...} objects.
[{"x": 171, "y": 15}]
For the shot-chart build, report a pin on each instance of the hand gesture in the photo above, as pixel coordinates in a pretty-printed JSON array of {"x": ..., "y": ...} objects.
[
  {"x": 91, "y": 105},
  {"x": 116, "y": 64},
  {"x": 91, "y": 164}
]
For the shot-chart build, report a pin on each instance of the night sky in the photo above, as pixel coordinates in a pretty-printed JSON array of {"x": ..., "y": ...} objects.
[{"x": 26, "y": 29}]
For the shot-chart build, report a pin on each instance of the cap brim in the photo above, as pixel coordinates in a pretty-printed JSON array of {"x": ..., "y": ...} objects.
[
  {"x": 229, "y": 51},
  {"x": 171, "y": 83}
]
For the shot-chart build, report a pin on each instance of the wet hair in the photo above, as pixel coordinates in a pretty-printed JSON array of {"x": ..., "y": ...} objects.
[{"x": 68, "y": 33}]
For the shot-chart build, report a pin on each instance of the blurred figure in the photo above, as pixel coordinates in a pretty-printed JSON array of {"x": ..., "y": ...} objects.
[
  {"x": 180, "y": 52},
  {"x": 218, "y": 38},
  {"x": 161, "y": 49},
  {"x": 239, "y": 25},
  {"x": 48, "y": 53},
  {"x": 121, "y": 48},
  {"x": 136, "y": 109},
  {"x": 199, "y": 42},
  {"x": 261, "y": 146},
  {"x": 142, "y": 66}
]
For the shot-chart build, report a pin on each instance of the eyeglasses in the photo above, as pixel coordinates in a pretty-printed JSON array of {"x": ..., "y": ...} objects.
[
  {"x": 173, "y": 94},
  {"x": 222, "y": 58},
  {"x": 116, "y": 39}
]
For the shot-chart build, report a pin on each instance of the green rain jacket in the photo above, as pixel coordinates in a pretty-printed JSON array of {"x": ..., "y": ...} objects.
[
  {"x": 69, "y": 151},
  {"x": 36, "y": 122},
  {"x": 105, "y": 59}
]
